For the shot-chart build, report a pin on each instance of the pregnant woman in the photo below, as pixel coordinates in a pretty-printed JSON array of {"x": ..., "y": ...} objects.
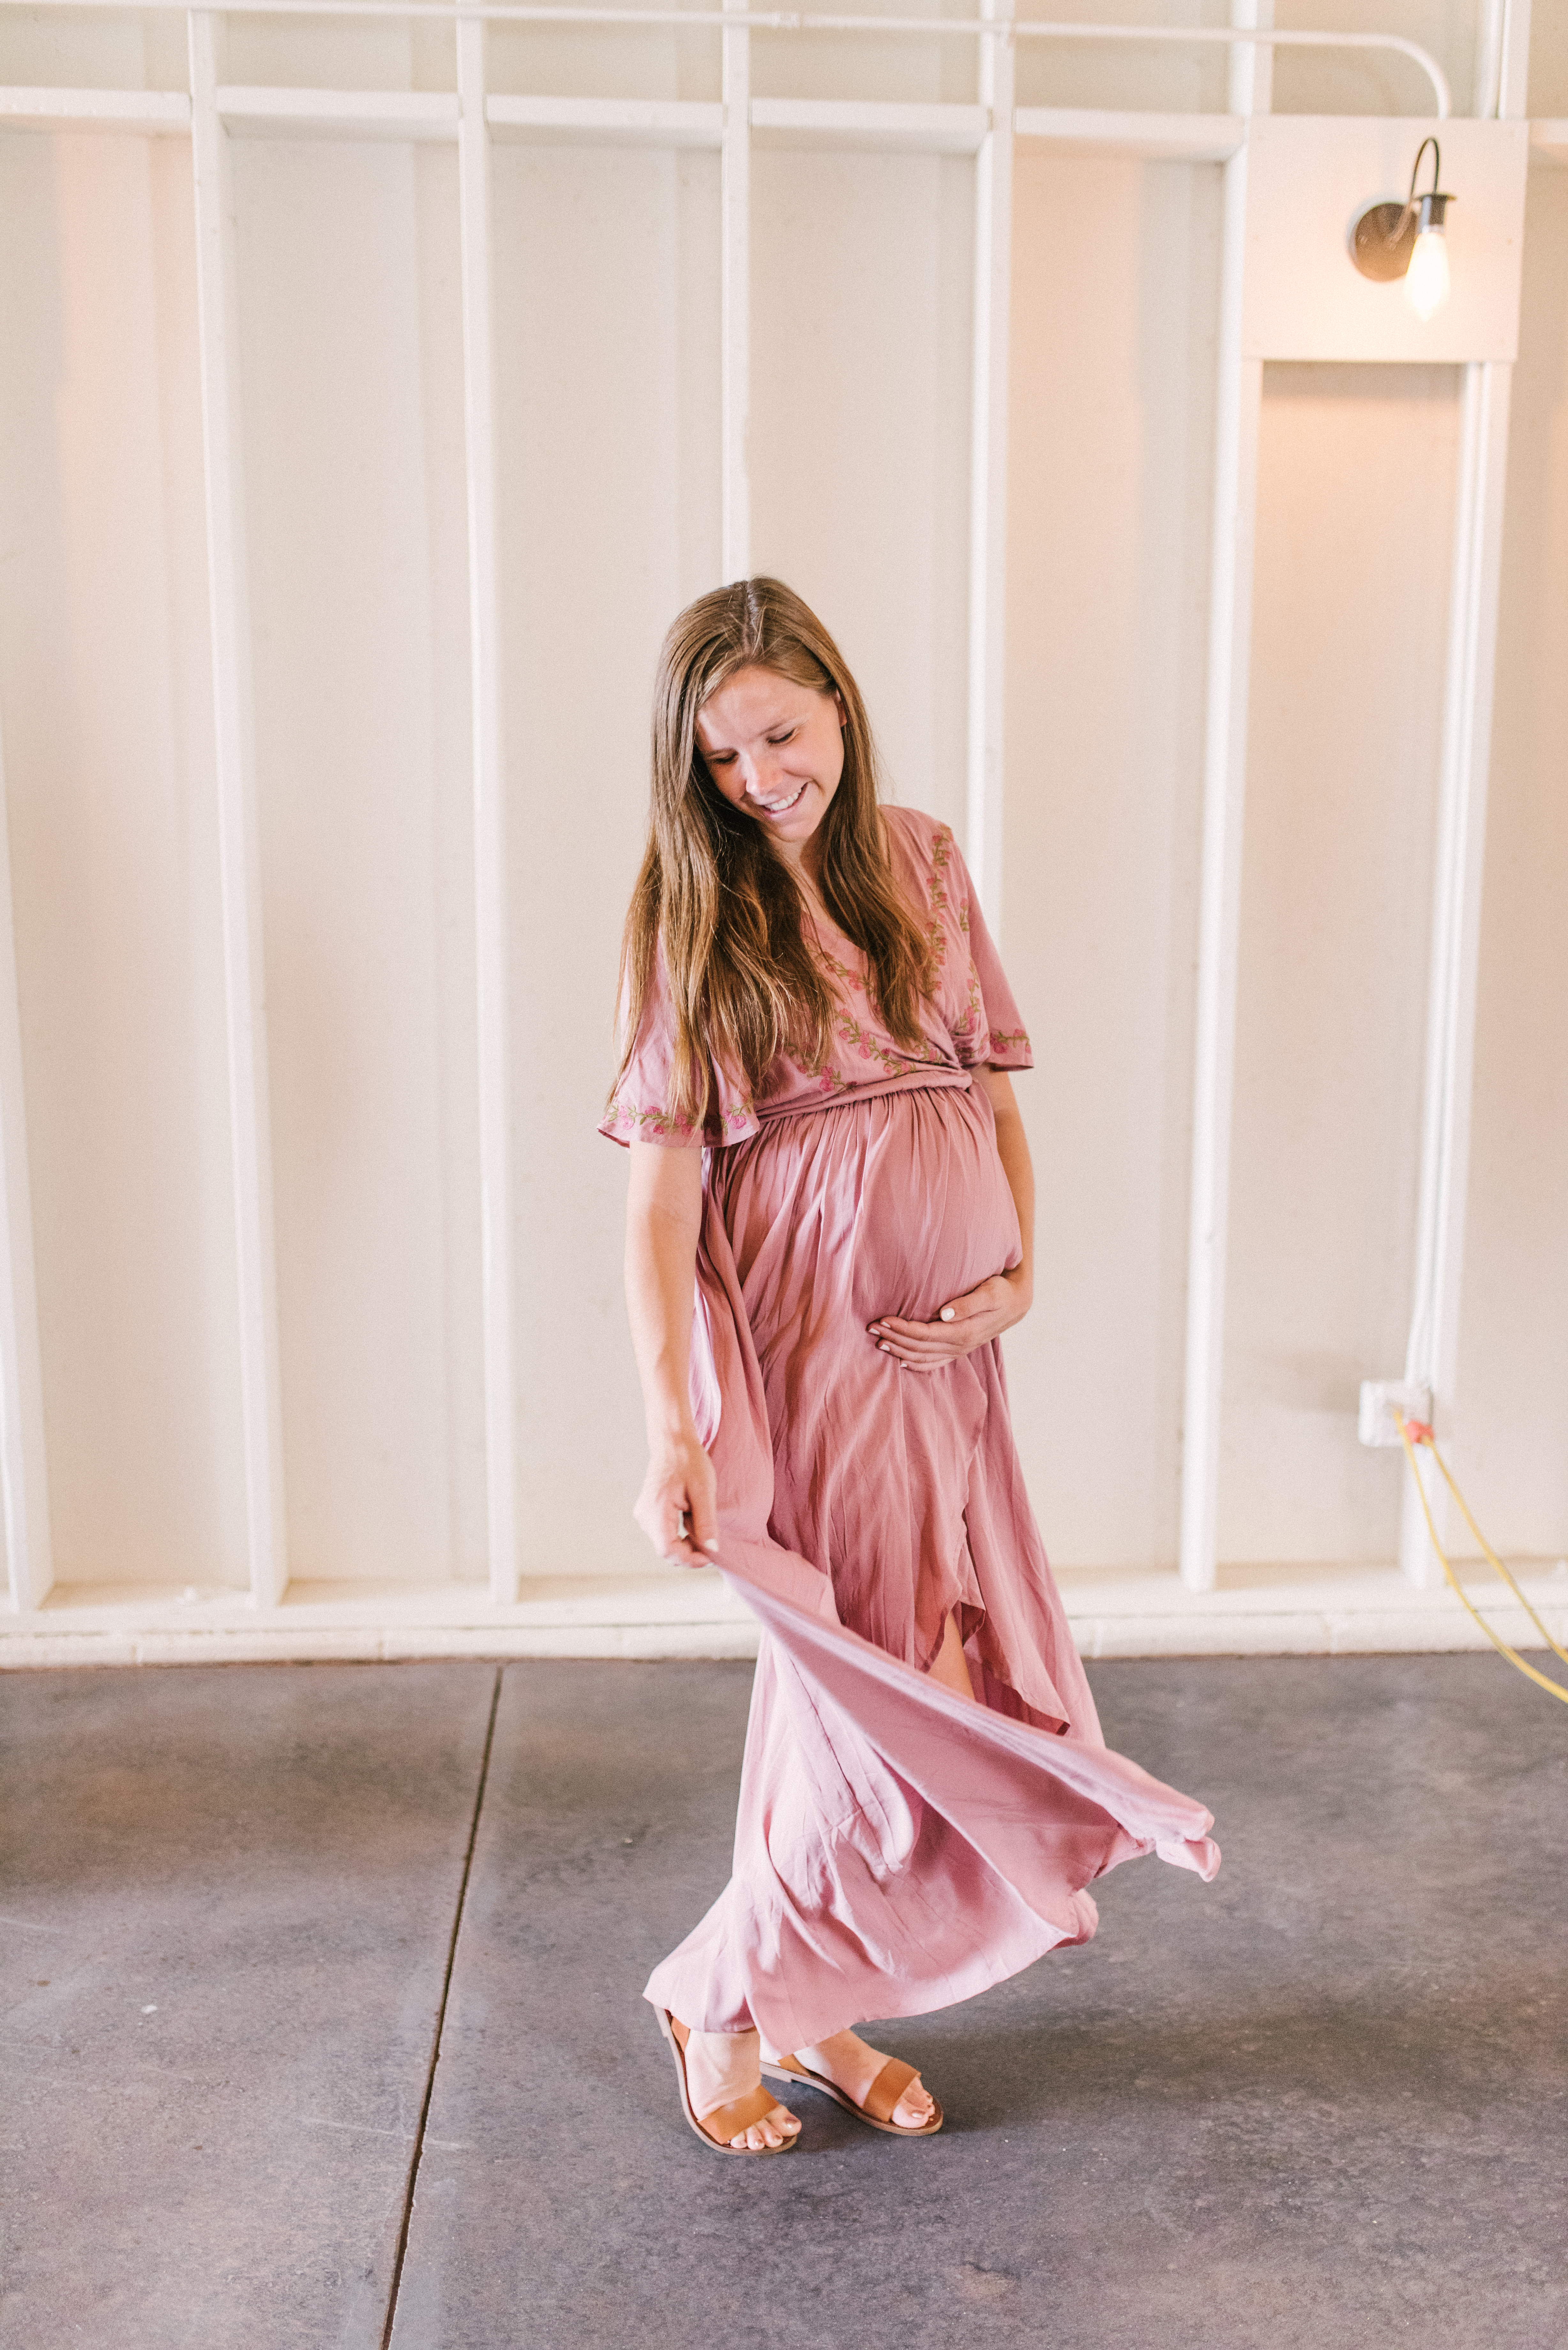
[{"x": 829, "y": 1228}]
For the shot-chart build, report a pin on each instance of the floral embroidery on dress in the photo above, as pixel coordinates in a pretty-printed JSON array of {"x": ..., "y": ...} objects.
[
  {"x": 1008, "y": 1040},
  {"x": 936, "y": 934},
  {"x": 894, "y": 1063},
  {"x": 661, "y": 1125},
  {"x": 657, "y": 1122},
  {"x": 971, "y": 1021},
  {"x": 864, "y": 1040}
]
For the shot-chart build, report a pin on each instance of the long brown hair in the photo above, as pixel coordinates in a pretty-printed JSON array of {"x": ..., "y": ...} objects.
[{"x": 714, "y": 892}]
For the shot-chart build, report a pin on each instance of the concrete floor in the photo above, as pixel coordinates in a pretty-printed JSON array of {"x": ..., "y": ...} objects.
[{"x": 1321, "y": 2102}]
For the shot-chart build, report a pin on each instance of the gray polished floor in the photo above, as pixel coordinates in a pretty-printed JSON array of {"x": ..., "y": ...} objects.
[{"x": 322, "y": 2027}]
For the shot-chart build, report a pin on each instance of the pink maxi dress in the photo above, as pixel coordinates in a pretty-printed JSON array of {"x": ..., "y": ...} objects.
[{"x": 896, "y": 1850}]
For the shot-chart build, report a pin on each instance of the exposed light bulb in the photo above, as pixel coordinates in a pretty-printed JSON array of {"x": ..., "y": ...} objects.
[{"x": 1426, "y": 279}]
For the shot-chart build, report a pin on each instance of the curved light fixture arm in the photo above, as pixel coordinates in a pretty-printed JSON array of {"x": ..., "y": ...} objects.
[{"x": 1412, "y": 202}]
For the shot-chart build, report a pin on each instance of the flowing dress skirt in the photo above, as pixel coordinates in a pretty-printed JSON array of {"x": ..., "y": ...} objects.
[{"x": 896, "y": 1850}]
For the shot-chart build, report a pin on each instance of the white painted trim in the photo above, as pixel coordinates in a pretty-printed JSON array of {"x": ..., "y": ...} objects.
[
  {"x": 496, "y": 1196},
  {"x": 1460, "y": 863},
  {"x": 925, "y": 29},
  {"x": 1287, "y": 1611},
  {"x": 987, "y": 476},
  {"x": 660, "y": 122},
  {"x": 735, "y": 311},
  {"x": 356, "y": 113},
  {"x": 1513, "y": 64},
  {"x": 24, "y": 1462},
  {"x": 1157, "y": 138},
  {"x": 1433, "y": 1356},
  {"x": 157, "y": 111},
  {"x": 434, "y": 115},
  {"x": 859, "y": 123},
  {"x": 1491, "y": 17},
  {"x": 1238, "y": 407},
  {"x": 244, "y": 988}
]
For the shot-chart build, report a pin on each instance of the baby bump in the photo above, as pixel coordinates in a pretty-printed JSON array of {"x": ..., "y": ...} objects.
[{"x": 889, "y": 1204}]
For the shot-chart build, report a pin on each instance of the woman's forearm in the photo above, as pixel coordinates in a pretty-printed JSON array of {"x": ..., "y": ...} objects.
[
  {"x": 663, "y": 1219},
  {"x": 1012, "y": 1150}
]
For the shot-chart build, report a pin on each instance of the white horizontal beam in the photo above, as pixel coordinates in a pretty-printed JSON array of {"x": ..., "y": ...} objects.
[
  {"x": 858, "y": 123},
  {"x": 154, "y": 110},
  {"x": 1548, "y": 139},
  {"x": 631, "y": 121},
  {"x": 1160, "y": 138},
  {"x": 433, "y": 114},
  {"x": 353, "y": 113}
]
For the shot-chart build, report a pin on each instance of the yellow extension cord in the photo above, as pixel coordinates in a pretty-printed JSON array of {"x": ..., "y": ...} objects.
[{"x": 1413, "y": 1432}]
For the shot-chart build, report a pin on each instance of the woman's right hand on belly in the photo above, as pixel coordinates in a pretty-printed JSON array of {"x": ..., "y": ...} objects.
[{"x": 678, "y": 1507}]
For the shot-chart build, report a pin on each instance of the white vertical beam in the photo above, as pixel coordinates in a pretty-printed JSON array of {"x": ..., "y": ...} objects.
[
  {"x": 1432, "y": 1360},
  {"x": 736, "y": 321},
  {"x": 988, "y": 467},
  {"x": 1513, "y": 62},
  {"x": 1238, "y": 406},
  {"x": 239, "y": 877},
  {"x": 1491, "y": 19},
  {"x": 24, "y": 1466},
  {"x": 489, "y": 817}
]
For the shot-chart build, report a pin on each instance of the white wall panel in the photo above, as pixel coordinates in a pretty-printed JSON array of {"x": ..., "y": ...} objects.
[
  {"x": 606, "y": 290},
  {"x": 1111, "y": 464},
  {"x": 84, "y": 49},
  {"x": 1512, "y": 1405},
  {"x": 1345, "y": 82},
  {"x": 346, "y": 268},
  {"x": 861, "y": 294},
  {"x": 607, "y": 283},
  {"x": 104, "y": 699},
  {"x": 337, "y": 53},
  {"x": 579, "y": 61},
  {"x": 1356, "y": 469}
]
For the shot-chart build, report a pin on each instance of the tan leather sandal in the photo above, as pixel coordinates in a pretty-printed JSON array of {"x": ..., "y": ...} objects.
[
  {"x": 881, "y": 2097},
  {"x": 721, "y": 2123}
]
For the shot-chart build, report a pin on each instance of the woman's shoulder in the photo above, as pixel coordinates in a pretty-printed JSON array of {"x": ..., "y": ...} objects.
[{"x": 923, "y": 838}]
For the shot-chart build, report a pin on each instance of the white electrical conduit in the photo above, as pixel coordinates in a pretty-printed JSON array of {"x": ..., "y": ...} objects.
[{"x": 738, "y": 20}]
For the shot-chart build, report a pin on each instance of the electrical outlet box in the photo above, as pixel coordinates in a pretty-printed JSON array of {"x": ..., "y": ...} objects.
[{"x": 1381, "y": 1399}]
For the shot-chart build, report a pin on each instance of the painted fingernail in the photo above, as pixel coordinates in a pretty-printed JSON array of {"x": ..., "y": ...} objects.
[
  {"x": 883, "y": 1347},
  {"x": 709, "y": 1545},
  {"x": 946, "y": 1315}
]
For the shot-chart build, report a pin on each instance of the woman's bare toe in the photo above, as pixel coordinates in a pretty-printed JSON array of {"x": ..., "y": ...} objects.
[
  {"x": 774, "y": 2130},
  {"x": 914, "y": 2108},
  {"x": 852, "y": 2065}
]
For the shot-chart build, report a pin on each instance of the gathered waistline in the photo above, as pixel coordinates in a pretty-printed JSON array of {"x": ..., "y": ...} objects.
[{"x": 921, "y": 1081}]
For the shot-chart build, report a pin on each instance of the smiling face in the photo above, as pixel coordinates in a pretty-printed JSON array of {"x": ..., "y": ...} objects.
[{"x": 776, "y": 750}]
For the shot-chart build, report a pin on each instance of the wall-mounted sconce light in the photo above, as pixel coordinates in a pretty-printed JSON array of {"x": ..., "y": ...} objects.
[{"x": 1406, "y": 240}]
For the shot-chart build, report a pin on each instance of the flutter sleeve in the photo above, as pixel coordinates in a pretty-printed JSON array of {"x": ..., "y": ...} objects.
[
  {"x": 991, "y": 1029},
  {"x": 639, "y": 1109}
]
